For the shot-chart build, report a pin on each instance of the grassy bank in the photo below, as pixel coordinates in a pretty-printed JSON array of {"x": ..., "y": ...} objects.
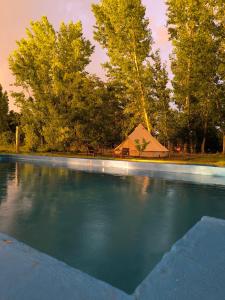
[{"x": 200, "y": 159}]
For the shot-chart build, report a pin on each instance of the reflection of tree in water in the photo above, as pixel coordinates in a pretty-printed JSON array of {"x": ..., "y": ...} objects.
[
  {"x": 34, "y": 196},
  {"x": 7, "y": 175},
  {"x": 37, "y": 184},
  {"x": 143, "y": 185},
  {"x": 10, "y": 196}
]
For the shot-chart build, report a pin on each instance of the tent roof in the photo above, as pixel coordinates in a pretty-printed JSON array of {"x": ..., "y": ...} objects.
[{"x": 140, "y": 133}]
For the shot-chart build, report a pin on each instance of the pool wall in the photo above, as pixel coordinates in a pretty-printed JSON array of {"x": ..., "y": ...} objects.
[
  {"x": 194, "y": 269},
  {"x": 193, "y": 173}
]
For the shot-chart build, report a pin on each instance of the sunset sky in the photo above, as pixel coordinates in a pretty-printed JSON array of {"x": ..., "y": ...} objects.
[{"x": 15, "y": 16}]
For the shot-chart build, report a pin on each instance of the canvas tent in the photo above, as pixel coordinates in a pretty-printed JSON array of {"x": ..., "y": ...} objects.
[{"x": 153, "y": 149}]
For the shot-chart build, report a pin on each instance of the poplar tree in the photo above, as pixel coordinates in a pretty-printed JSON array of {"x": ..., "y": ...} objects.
[
  {"x": 160, "y": 93},
  {"x": 122, "y": 29},
  {"x": 194, "y": 34},
  {"x": 49, "y": 67},
  {"x": 219, "y": 113}
]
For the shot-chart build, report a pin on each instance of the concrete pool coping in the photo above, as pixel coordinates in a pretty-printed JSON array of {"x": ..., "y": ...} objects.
[
  {"x": 193, "y": 269},
  {"x": 192, "y": 173}
]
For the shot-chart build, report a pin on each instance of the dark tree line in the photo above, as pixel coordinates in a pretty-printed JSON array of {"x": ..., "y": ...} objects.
[{"x": 8, "y": 120}]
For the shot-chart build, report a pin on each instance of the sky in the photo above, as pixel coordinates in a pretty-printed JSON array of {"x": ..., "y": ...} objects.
[{"x": 15, "y": 16}]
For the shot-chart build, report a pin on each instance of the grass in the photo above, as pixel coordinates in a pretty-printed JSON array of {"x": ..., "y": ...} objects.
[
  {"x": 196, "y": 159},
  {"x": 7, "y": 149},
  {"x": 217, "y": 160}
]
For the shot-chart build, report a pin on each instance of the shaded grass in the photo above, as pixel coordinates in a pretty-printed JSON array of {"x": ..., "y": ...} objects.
[{"x": 217, "y": 160}]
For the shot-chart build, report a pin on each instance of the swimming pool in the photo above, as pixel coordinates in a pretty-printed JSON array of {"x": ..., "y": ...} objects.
[{"x": 114, "y": 227}]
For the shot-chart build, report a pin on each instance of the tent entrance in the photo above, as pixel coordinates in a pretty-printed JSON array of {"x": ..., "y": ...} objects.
[{"x": 125, "y": 152}]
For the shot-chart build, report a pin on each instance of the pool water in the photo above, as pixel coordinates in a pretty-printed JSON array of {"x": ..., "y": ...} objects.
[{"x": 115, "y": 228}]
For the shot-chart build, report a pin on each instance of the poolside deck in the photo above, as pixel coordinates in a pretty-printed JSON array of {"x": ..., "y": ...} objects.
[{"x": 193, "y": 269}]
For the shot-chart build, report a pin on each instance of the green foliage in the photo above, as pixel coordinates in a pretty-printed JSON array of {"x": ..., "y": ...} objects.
[
  {"x": 141, "y": 146},
  {"x": 50, "y": 66},
  {"x": 13, "y": 120},
  {"x": 123, "y": 30},
  {"x": 6, "y": 138},
  {"x": 98, "y": 121},
  {"x": 61, "y": 102},
  {"x": 46, "y": 62},
  {"x": 196, "y": 37},
  {"x": 31, "y": 138},
  {"x": 56, "y": 136},
  {"x": 219, "y": 105},
  {"x": 8, "y": 121},
  {"x": 3, "y": 110},
  {"x": 162, "y": 113}
]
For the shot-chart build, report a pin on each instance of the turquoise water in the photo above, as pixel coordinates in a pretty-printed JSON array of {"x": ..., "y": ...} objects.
[{"x": 115, "y": 228}]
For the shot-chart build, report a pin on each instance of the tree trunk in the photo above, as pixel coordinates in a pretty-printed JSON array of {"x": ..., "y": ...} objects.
[
  {"x": 203, "y": 145},
  {"x": 147, "y": 120},
  {"x": 190, "y": 141},
  {"x": 190, "y": 137},
  {"x": 224, "y": 143},
  {"x": 204, "y": 138},
  {"x": 42, "y": 141},
  {"x": 194, "y": 148},
  {"x": 143, "y": 98},
  {"x": 17, "y": 139}
]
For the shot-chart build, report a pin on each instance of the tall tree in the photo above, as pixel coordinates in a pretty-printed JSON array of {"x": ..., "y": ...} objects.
[
  {"x": 160, "y": 93},
  {"x": 219, "y": 113},
  {"x": 49, "y": 66},
  {"x": 194, "y": 34},
  {"x": 123, "y": 30},
  {"x": 4, "y": 101}
]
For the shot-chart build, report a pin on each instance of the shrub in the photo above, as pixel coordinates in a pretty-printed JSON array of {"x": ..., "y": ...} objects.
[
  {"x": 31, "y": 138},
  {"x": 7, "y": 138}
]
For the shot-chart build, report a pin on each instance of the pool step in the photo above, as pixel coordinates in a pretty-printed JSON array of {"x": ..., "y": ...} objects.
[
  {"x": 194, "y": 269},
  {"x": 27, "y": 274}
]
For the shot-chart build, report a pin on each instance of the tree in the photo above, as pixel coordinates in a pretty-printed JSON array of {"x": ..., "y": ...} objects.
[
  {"x": 13, "y": 120},
  {"x": 141, "y": 146},
  {"x": 31, "y": 138},
  {"x": 100, "y": 119},
  {"x": 161, "y": 98},
  {"x": 123, "y": 30},
  {"x": 194, "y": 33},
  {"x": 3, "y": 110},
  {"x": 219, "y": 108},
  {"x": 49, "y": 66}
]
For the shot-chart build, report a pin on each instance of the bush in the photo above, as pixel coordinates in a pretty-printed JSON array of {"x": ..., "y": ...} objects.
[
  {"x": 31, "y": 138},
  {"x": 7, "y": 138},
  {"x": 57, "y": 137}
]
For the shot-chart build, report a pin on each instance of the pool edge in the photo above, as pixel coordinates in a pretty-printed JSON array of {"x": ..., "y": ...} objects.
[{"x": 193, "y": 173}]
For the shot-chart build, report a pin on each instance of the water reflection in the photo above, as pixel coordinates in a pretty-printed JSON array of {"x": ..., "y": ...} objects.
[
  {"x": 113, "y": 227},
  {"x": 143, "y": 185}
]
